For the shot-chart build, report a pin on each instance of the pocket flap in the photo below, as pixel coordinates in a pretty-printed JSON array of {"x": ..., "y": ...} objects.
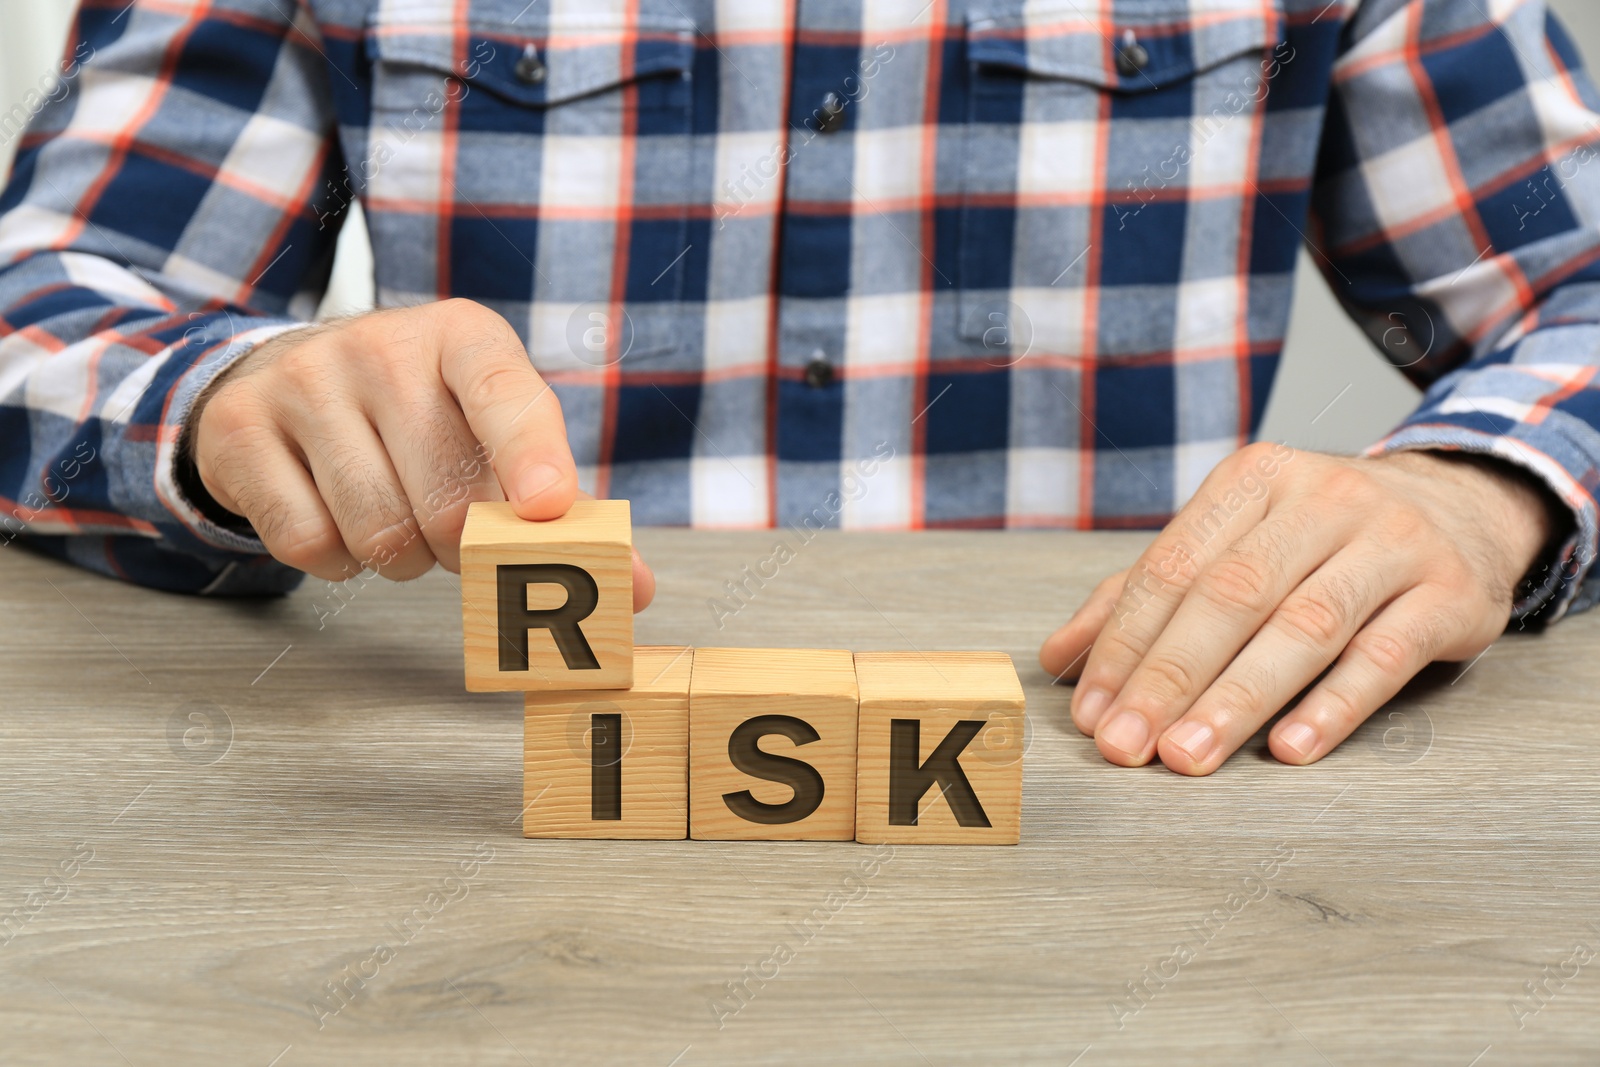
[
  {"x": 1181, "y": 38},
  {"x": 573, "y": 56}
]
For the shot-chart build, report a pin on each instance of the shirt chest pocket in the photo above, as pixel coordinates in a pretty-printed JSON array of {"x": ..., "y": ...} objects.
[
  {"x": 539, "y": 166},
  {"x": 1109, "y": 170}
]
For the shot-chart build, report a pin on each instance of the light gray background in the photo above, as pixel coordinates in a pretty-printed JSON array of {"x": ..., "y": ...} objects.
[{"x": 1327, "y": 356}]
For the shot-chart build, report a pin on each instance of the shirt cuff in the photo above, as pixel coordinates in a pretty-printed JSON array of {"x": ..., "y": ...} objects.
[
  {"x": 180, "y": 402},
  {"x": 1558, "y": 587}
]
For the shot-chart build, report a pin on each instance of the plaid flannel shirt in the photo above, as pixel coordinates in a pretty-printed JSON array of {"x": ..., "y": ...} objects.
[{"x": 855, "y": 263}]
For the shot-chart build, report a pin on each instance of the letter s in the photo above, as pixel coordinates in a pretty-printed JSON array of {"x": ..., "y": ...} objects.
[{"x": 798, "y": 775}]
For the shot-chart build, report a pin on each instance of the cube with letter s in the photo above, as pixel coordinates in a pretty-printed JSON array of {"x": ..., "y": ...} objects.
[{"x": 772, "y": 744}]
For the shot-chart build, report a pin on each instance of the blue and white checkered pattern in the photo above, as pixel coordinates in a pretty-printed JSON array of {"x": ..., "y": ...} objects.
[{"x": 875, "y": 263}]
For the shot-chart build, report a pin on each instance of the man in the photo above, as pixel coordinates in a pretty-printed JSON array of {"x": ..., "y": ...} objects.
[{"x": 893, "y": 263}]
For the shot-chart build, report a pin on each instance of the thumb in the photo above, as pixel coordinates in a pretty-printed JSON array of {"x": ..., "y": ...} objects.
[{"x": 509, "y": 408}]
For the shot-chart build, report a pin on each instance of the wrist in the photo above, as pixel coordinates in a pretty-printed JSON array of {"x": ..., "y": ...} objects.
[{"x": 1519, "y": 510}]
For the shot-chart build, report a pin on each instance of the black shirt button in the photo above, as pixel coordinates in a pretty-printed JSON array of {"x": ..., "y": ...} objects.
[
  {"x": 530, "y": 68},
  {"x": 1132, "y": 57},
  {"x": 830, "y": 114},
  {"x": 819, "y": 373}
]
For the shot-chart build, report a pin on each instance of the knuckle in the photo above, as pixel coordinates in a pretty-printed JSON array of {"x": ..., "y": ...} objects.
[
  {"x": 466, "y": 310},
  {"x": 1124, "y": 633},
  {"x": 1343, "y": 484},
  {"x": 1240, "y": 459},
  {"x": 305, "y": 546},
  {"x": 476, "y": 325},
  {"x": 1390, "y": 652},
  {"x": 1314, "y": 619},
  {"x": 238, "y": 415},
  {"x": 1207, "y": 515},
  {"x": 445, "y": 523},
  {"x": 232, "y": 406},
  {"x": 1237, "y": 582},
  {"x": 1140, "y": 587},
  {"x": 393, "y": 550},
  {"x": 448, "y": 317},
  {"x": 383, "y": 333},
  {"x": 1112, "y": 658},
  {"x": 1341, "y": 703},
  {"x": 397, "y": 370},
  {"x": 305, "y": 378},
  {"x": 299, "y": 357},
  {"x": 443, "y": 516},
  {"x": 1256, "y": 452},
  {"x": 1169, "y": 675},
  {"x": 1168, "y": 562},
  {"x": 1245, "y": 691},
  {"x": 227, "y": 455},
  {"x": 489, "y": 381}
]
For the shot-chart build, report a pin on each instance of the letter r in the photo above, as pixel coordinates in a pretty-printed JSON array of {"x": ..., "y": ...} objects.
[{"x": 515, "y": 618}]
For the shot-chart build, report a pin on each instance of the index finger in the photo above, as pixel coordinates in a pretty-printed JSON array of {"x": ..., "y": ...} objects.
[
  {"x": 1220, "y": 511},
  {"x": 509, "y": 407}
]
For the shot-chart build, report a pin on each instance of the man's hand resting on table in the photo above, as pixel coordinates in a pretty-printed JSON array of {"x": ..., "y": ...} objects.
[
  {"x": 1284, "y": 563},
  {"x": 361, "y": 443}
]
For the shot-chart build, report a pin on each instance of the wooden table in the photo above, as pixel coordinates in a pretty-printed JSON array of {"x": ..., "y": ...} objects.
[{"x": 229, "y": 836}]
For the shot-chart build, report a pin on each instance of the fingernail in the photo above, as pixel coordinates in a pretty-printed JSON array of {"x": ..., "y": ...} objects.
[
  {"x": 1127, "y": 733},
  {"x": 1301, "y": 738},
  {"x": 1092, "y": 704},
  {"x": 1196, "y": 739},
  {"x": 535, "y": 481}
]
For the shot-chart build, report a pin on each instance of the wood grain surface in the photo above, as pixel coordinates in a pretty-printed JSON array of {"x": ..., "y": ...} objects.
[{"x": 230, "y": 837}]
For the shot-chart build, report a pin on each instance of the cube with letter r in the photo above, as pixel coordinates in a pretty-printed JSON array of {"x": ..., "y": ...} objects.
[
  {"x": 547, "y": 606},
  {"x": 940, "y": 746}
]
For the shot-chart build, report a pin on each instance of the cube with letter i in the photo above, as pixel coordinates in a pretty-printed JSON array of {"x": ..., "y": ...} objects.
[
  {"x": 772, "y": 745},
  {"x": 940, "y": 747},
  {"x": 611, "y": 763},
  {"x": 548, "y": 605}
]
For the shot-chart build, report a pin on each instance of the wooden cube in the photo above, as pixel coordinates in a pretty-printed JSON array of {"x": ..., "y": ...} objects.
[
  {"x": 772, "y": 745},
  {"x": 611, "y": 763},
  {"x": 548, "y": 605},
  {"x": 939, "y": 758}
]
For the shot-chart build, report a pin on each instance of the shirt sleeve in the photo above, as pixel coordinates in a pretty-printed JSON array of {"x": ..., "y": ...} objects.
[
  {"x": 1456, "y": 213},
  {"x": 167, "y": 211}
]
